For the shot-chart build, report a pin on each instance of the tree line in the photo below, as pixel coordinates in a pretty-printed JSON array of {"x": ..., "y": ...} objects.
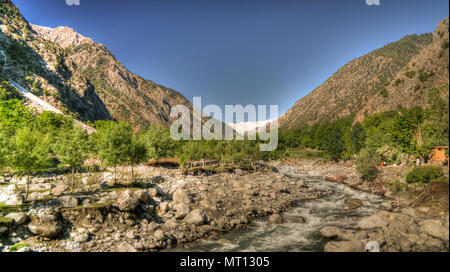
[
  {"x": 33, "y": 143},
  {"x": 392, "y": 136}
]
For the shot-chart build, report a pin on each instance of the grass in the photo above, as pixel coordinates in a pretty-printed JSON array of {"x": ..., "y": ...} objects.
[
  {"x": 6, "y": 221},
  {"x": 16, "y": 247},
  {"x": 6, "y": 209}
]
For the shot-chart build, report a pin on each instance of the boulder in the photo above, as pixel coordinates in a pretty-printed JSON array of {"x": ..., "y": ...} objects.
[
  {"x": 3, "y": 229},
  {"x": 344, "y": 246},
  {"x": 351, "y": 204},
  {"x": 127, "y": 201},
  {"x": 329, "y": 232},
  {"x": 152, "y": 192},
  {"x": 181, "y": 196},
  {"x": 372, "y": 222},
  {"x": 19, "y": 218},
  {"x": 297, "y": 219},
  {"x": 196, "y": 217},
  {"x": 68, "y": 201},
  {"x": 182, "y": 210},
  {"x": 81, "y": 238},
  {"x": 59, "y": 189},
  {"x": 276, "y": 219},
  {"x": 164, "y": 207},
  {"x": 208, "y": 205},
  {"x": 159, "y": 235},
  {"x": 45, "y": 228},
  {"x": 435, "y": 229},
  {"x": 142, "y": 195},
  {"x": 125, "y": 247},
  {"x": 15, "y": 199},
  {"x": 338, "y": 178}
]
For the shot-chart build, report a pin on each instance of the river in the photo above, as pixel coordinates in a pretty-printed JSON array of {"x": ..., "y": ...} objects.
[{"x": 261, "y": 236}]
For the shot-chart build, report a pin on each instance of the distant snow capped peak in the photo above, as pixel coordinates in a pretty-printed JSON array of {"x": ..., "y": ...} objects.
[{"x": 246, "y": 127}]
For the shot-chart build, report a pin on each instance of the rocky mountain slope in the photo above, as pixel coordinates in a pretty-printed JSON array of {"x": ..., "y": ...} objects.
[
  {"x": 399, "y": 74},
  {"x": 77, "y": 75}
]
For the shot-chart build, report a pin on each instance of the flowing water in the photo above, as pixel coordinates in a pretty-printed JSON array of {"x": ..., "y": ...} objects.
[{"x": 319, "y": 213}]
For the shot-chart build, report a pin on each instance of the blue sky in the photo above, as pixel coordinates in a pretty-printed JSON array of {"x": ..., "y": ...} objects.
[{"x": 239, "y": 51}]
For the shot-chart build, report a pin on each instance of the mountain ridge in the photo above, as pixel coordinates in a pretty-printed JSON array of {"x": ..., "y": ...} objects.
[
  {"x": 78, "y": 76},
  {"x": 366, "y": 80}
]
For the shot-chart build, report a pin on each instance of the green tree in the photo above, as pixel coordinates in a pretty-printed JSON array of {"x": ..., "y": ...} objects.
[
  {"x": 29, "y": 153},
  {"x": 50, "y": 122},
  {"x": 72, "y": 148},
  {"x": 13, "y": 115},
  {"x": 358, "y": 137},
  {"x": 159, "y": 143},
  {"x": 137, "y": 153},
  {"x": 334, "y": 143},
  {"x": 113, "y": 144}
]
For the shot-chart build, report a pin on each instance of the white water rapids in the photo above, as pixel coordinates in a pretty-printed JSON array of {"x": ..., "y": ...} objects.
[{"x": 262, "y": 236}]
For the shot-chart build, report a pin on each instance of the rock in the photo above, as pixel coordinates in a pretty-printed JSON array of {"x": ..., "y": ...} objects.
[
  {"x": 131, "y": 234},
  {"x": 164, "y": 207},
  {"x": 3, "y": 229},
  {"x": 159, "y": 190},
  {"x": 338, "y": 178},
  {"x": 159, "y": 235},
  {"x": 276, "y": 219},
  {"x": 125, "y": 247},
  {"x": 329, "y": 232},
  {"x": 182, "y": 210},
  {"x": 344, "y": 246},
  {"x": 59, "y": 190},
  {"x": 435, "y": 229},
  {"x": 196, "y": 217},
  {"x": 68, "y": 201},
  {"x": 157, "y": 180},
  {"x": 297, "y": 219},
  {"x": 351, "y": 204},
  {"x": 81, "y": 238},
  {"x": 15, "y": 199},
  {"x": 171, "y": 223},
  {"x": 45, "y": 228},
  {"x": 103, "y": 186},
  {"x": 19, "y": 218},
  {"x": 374, "y": 221},
  {"x": 142, "y": 195},
  {"x": 208, "y": 205},
  {"x": 24, "y": 249},
  {"x": 433, "y": 243},
  {"x": 180, "y": 196},
  {"x": 386, "y": 206},
  {"x": 152, "y": 192},
  {"x": 127, "y": 201}
]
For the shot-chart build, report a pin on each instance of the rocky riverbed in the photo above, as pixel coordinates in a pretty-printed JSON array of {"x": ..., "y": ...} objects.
[
  {"x": 306, "y": 206},
  {"x": 170, "y": 209}
]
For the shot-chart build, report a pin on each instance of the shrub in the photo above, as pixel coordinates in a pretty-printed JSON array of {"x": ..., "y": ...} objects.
[
  {"x": 424, "y": 174},
  {"x": 368, "y": 172},
  {"x": 367, "y": 165}
]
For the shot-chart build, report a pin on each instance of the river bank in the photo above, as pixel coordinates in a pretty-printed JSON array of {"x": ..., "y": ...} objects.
[{"x": 307, "y": 203}]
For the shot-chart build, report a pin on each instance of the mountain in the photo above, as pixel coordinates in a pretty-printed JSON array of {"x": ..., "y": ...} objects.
[
  {"x": 78, "y": 76},
  {"x": 410, "y": 87},
  {"x": 384, "y": 79}
]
